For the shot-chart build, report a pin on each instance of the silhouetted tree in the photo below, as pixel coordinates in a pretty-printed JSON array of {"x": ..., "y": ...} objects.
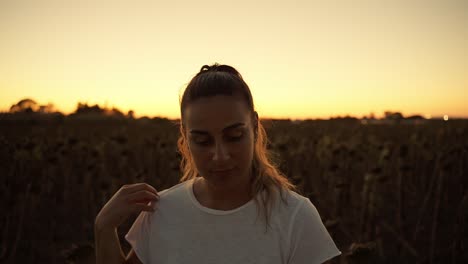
[
  {"x": 25, "y": 106},
  {"x": 415, "y": 117},
  {"x": 46, "y": 109},
  {"x": 393, "y": 115},
  {"x": 85, "y": 109},
  {"x": 114, "y": 112}
]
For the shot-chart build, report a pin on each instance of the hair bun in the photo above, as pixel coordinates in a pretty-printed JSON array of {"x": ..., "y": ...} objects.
[
  {"x": 205, "y": 68},
  {"x": 216, "y": 67}
]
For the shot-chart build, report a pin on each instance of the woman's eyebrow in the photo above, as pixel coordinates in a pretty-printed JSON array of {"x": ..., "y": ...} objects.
[{"x": 194, "y": 131}]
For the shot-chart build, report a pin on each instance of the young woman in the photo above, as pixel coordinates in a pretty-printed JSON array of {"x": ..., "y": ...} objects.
[{"x": 232, "y": 205}]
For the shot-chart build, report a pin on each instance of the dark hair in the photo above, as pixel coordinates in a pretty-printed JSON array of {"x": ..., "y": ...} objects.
[
  {"x": 225, "y": 80},
  {"x": 216, "y": 80}
]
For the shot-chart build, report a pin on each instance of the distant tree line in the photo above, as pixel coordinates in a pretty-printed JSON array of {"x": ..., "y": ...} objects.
[{"x": 28, "y": 105}]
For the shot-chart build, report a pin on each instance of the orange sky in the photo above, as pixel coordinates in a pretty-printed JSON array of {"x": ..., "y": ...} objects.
[{"x": 302, "y": 59}]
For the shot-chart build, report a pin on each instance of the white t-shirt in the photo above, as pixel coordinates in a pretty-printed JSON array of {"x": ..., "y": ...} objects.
[{"x": 182, "y": 231}]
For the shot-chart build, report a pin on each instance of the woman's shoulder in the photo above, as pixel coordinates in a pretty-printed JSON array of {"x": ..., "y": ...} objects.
[
  {"x": 289, "y": 201},
  {"x": 293, "y": 196},
  {"x": 175, "y": 190}
]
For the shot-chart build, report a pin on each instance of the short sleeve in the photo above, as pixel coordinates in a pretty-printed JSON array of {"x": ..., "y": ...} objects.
[
  {"x": 310, "y": 241},
  {"x": 139, "y": 234}
]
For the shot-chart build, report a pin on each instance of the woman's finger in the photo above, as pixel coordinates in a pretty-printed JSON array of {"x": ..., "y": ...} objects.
[
  {"x": 142, "y": 207},
  {"x": 142, "y": 196},
  {"x": 138, "y": 187}
]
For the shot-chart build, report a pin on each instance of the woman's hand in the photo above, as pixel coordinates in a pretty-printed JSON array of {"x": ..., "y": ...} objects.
[{"x": 128, "y": 200}]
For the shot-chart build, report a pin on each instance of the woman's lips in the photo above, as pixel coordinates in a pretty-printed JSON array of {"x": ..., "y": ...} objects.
[{"x": 222, "y": 172}]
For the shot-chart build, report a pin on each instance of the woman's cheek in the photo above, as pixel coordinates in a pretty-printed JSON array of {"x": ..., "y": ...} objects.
[{"x": 200, "y": 160}]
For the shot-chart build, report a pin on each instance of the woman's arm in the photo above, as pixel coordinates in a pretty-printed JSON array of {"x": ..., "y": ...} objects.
[
  {"x": 132, "y": 258},
  {"x": 127, "y": 200},
  {"x": 108, "y": 248}
]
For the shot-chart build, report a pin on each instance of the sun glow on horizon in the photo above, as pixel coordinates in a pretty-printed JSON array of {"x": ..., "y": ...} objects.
[{"x": 308, "y": 59}]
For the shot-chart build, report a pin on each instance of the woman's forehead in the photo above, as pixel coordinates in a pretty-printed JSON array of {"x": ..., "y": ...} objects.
[{"x": 215, "y": 113}]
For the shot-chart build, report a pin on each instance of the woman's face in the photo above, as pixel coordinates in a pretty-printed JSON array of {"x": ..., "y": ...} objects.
[{"x": 220, "y": 137}]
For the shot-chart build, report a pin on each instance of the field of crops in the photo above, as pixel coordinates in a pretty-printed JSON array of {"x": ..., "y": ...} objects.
[{"x": 388, "y": 193}]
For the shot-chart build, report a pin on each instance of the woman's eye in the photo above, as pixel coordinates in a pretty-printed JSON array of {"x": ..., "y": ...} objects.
[
  {"x": 235, "y": 137},
  {"x": 201, "y": 141}
]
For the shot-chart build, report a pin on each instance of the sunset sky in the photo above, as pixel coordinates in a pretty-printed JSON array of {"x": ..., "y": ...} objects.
[{"x": 302, "y": 59}]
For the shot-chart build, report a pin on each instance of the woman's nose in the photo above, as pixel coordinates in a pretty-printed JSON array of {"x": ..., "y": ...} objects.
[{"x": 220, "y": 152}]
